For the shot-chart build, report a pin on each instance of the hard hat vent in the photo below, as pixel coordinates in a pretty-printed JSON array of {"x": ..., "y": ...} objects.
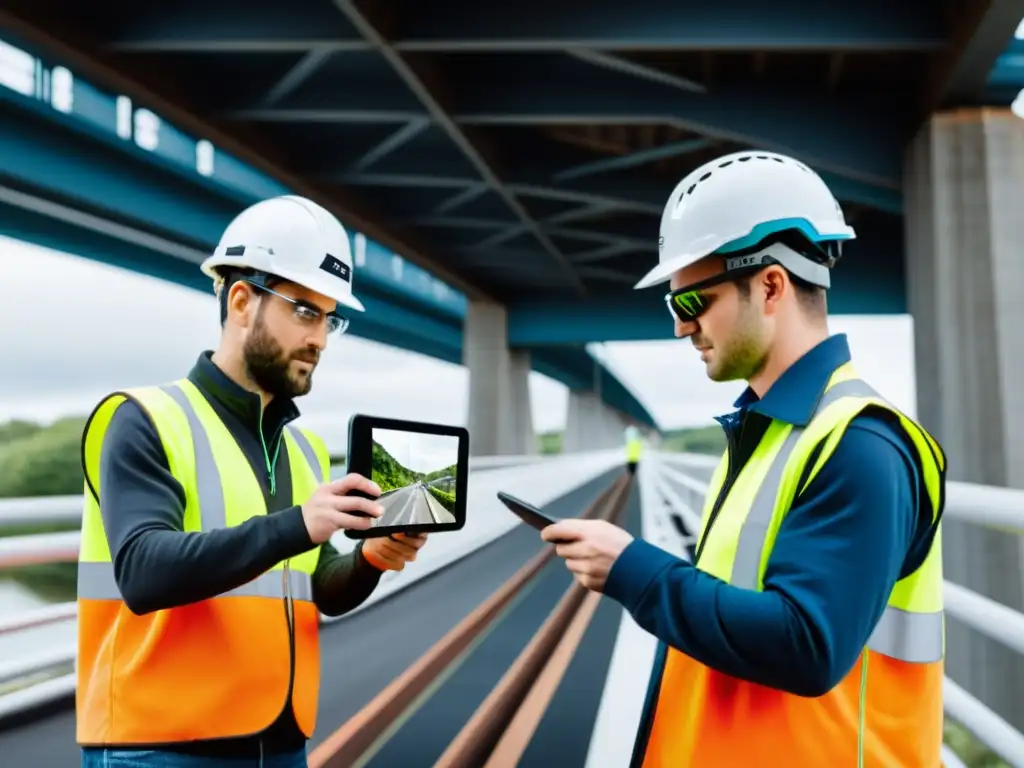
[{"x": 744, "y": 159}]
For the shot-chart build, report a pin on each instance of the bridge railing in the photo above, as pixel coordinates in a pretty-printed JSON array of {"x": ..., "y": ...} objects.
[
  {"x": 47, "y": 674},
  {"x": 680, "y": 480}
]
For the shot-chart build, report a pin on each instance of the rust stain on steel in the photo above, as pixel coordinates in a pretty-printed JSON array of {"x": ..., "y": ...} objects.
[
  {"x": 347, "y": 744},
  {"x": 478, "y": 738},
  {"x": 514, "y": 741}
]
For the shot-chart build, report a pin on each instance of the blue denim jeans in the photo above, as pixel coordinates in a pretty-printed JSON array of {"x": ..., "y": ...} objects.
[{"x": 156, "y": 758}]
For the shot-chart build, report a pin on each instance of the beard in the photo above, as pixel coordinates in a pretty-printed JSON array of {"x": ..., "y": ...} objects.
[
  {"x": 744, "y": 353},
  {"x": 269, "y": 366}
]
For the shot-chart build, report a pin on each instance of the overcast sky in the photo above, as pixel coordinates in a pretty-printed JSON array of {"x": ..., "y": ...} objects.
[{"x": 74, "y": 329}]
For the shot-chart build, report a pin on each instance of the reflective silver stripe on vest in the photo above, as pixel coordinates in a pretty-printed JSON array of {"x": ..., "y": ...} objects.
[
  {"x": 96, "y": 580},
  {"x": 746, "y": 566},
  {"x": 208, "y": 485},
  {"x": 309, "y": 453},
  {"x": 911, "y": 637}
]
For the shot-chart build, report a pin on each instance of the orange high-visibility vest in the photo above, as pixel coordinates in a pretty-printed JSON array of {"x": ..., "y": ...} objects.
[
  {"x": 887, "y": 712},
  {"x": 219, "y": 668}
]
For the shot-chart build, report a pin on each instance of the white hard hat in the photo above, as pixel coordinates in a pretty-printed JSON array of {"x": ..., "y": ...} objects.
[
  {"x": 733, "y": 202},
  {"x": 293, "y": 238}
]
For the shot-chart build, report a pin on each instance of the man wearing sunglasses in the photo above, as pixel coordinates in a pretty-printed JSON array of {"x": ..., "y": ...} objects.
[
  {"x": 205, "y": 559},
  {"x": 808, "y": 629}
]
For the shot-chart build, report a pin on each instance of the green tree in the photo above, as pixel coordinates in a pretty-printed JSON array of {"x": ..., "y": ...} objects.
[
  {"x": 710, "y": 439},
  {"x": 38, "y": 461},
  {"x": 449, "y": 471}
]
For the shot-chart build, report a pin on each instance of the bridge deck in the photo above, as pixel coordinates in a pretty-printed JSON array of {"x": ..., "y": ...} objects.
[{"x": 365, "y": 652}]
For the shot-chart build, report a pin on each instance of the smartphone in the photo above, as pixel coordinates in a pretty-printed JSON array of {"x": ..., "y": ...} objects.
[{"x": 527, "y": 512}]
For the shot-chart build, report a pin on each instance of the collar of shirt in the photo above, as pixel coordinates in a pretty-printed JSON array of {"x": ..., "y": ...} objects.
[
  {"x": 794, "y": 396},
  {"x": 242, "y": 403}
]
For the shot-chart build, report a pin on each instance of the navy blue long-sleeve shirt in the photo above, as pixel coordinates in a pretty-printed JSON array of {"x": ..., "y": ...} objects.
[{"x": 862, "y": 524}]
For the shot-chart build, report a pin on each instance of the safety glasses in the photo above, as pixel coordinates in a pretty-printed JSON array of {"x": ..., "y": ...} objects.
[
  {"x": 809, "y": 261},
  {"x": 305, "y": 313},
  {"x": 691, "y": 301}
]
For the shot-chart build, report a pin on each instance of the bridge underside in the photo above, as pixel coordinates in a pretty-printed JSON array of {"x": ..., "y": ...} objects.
[
  {"x": 70, "y": 182},
  {"x": 525, "y": 150},
  {"x": 522, "y": 151}
]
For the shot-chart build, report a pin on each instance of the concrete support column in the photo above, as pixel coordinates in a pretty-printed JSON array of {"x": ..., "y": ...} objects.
[
  {"x": 591, "y": 425},
  {"x": 500, "y": 420},
  {"x": 964, "y": 209}
]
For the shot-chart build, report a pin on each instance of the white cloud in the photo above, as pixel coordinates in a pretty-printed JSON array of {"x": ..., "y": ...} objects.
[{"x": 75, "y": 329}]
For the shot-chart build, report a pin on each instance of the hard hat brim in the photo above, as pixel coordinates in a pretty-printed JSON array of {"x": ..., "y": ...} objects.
[
  {"x": 663, "y": 271},
  {"x": 329, "y": 286}
]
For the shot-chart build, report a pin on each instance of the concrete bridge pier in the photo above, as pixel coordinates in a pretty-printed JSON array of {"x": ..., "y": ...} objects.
[
  {"x": 591, "y": 425},
  {"x": 500, "y": 420},
  {"x": 964, "y": 213}
]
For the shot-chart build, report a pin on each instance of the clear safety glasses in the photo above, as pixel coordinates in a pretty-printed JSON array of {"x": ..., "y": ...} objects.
[{"x": 307, "y": 314}]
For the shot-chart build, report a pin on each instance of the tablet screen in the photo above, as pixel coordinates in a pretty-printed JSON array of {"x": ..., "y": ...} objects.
[{"x": 418, "y": 477}]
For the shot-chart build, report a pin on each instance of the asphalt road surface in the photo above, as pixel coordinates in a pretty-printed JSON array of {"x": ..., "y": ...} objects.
[
  {"x": 412, "y": 505},
  {"x": 362, "y": 654}
]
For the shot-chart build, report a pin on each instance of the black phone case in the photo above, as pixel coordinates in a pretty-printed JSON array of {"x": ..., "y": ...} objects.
[{"x": 527, "y": 512}]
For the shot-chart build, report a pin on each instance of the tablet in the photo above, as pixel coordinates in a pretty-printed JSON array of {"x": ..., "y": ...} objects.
[{"x": 422, "y": 470}]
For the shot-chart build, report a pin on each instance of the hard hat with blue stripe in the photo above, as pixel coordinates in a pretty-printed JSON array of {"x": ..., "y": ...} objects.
[{"x": 754, "y": 209}]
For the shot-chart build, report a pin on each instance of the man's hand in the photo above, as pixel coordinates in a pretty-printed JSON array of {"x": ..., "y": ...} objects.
[
  {"x": 391, "y": 553},
  {"x": 329, "y": 510},
  {"x": 589, "y": 547}
]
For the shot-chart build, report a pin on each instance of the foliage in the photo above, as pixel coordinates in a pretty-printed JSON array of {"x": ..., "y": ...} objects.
[
  {"x": 41, "y": 461},
  {"x": 969, "y": 748},
  {"x": 389, "y": 474},
  {"x": 709, "y": 439},
  {"x": 446, "y": 500}
]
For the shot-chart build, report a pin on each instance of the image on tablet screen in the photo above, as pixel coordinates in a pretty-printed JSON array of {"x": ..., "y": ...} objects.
[{"x": 416, "y": 473}]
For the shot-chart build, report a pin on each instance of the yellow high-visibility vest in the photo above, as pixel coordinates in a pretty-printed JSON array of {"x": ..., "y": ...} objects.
[
  {"x": 240, "y": 657},
  {"x": 633, "y": 448},
  {"x": 887, "y": 712}
]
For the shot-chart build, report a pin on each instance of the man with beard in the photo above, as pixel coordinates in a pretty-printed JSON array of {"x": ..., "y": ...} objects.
[
  {"x": 206, "y": 560},
  {"x": 808, "y": 630}
]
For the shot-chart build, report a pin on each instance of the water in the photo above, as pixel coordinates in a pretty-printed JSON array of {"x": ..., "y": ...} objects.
[{"x": 15, "y": 599}]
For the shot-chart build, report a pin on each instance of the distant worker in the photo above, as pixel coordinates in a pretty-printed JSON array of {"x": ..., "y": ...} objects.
[
  {"x": 808, "y": 632},
  {"x": 633, "y": 448},
  {"x": 205, "y": 555}
]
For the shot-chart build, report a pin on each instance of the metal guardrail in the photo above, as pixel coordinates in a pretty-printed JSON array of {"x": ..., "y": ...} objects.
[{"x": 1001, "y": 509}]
